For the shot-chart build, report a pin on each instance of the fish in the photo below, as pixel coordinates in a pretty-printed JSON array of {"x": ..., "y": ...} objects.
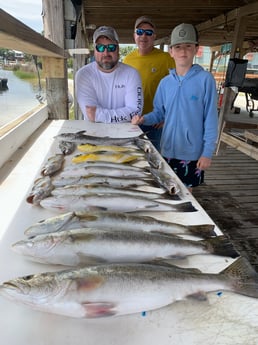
[
  {"x": 113, "y": 290},
  {"x": 99, "y": 189},
  {"x": 105, "y": 157},
  {"x": 165, "y": 180},
  {"x": 82, "y": 138},
  {"x": 106, "y": 165},
  {"x": 85, "y": 246},
  {"x": 116, "y": 221},
  {"x": 104, "y": 171},
  {"x": 111, "y": 202},
  {"x": 66, "y": 147},
  {"x": 53, "y": 164},
  {"x": 42, "y": 188},
  {"x": 120, "y": 182},
  {"x": 89, "y": 148}
]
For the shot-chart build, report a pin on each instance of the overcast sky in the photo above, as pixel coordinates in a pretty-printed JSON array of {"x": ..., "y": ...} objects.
[{"x": 27, "y": 11}]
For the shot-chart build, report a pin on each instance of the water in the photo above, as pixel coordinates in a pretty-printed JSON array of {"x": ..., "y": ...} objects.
[{"x": 18, "y": 99}]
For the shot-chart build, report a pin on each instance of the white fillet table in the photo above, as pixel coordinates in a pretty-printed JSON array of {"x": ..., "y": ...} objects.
[{"x": 225, "y": 319}]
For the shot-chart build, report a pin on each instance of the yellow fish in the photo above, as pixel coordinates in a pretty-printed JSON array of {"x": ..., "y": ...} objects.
[
  {"x": 105, "y": 157},
  {"x": 97, "y": 148}
]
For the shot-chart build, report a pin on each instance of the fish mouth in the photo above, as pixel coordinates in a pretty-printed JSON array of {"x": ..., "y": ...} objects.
[{"x": 11, "y": 287}]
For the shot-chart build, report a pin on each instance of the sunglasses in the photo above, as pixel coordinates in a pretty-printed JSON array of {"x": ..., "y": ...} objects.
[
  {"x": 110, "y": 47},
  {"x": 147, "y": 32}
]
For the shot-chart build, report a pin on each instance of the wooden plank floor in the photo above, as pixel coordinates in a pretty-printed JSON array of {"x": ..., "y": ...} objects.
[{"x": 230, "y": 197}]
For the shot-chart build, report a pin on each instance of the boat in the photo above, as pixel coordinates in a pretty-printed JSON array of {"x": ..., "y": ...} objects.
[{"x": 3, "y": 83}]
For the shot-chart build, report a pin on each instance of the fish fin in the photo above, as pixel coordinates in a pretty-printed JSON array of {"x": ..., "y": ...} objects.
[
  {"x": 98, "y": 309},
  {"x": 202, "y": 230},
  {"x": 184, "y": 207},
  {"x": 243, "y": 276},
  {"x": 90, "y": 260},
  {"x": 221, "y": 245},
  {"x": 89, "y": 283},
  {"x": 200, "y": 296}
]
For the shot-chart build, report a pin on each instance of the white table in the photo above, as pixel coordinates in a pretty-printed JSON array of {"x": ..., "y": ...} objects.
[{"x": 228, "y": 319}]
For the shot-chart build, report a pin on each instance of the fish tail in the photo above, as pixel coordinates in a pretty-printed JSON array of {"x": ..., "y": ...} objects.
[
  {"x": 185, "y": 207},
  {"x": 244, "y": 277},
  {"x": 202, "y": 230},
  {"x": 221, "y": 245}
]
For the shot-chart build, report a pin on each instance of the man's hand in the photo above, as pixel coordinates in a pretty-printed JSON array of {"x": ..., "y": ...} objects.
[
  {"x": 137, "y": 120},
  {"x": 91, "y": 113}
]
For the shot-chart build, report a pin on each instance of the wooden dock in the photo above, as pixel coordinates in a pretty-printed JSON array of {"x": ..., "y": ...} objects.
[{"x": 230, "y": 197}]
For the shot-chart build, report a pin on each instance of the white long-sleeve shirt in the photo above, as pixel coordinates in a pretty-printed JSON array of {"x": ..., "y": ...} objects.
[{"x": 117, "y": 95}]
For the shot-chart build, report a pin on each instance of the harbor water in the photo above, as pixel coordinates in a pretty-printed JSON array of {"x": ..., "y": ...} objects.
[{"x": 18, "y": 99}]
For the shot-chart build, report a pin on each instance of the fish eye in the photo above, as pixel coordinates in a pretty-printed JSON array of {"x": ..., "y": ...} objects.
[{"x": 29, "y": 277}]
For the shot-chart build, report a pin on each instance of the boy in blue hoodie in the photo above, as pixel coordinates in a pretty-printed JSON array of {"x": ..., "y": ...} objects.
[{"x": 186, "y": 100}]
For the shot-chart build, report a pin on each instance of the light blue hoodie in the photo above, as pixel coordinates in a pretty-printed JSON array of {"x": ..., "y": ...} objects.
[{"x": 188, "y": 108}]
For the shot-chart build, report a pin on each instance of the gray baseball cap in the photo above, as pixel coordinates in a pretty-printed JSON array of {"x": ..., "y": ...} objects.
[
  {"x": 144, "y": 19},
  {"x": 184, "y": 33},
  {"x": 106, "y": 31}
]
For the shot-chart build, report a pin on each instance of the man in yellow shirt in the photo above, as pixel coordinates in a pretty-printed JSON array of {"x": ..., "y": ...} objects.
[{"x": 153, "y": 64}]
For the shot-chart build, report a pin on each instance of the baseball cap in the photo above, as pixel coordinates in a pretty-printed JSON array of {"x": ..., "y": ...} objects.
[
  {"x": 144, "y": 19},
  {"x": 184, "y": 33},
  {"x": 106, "y": 31}
]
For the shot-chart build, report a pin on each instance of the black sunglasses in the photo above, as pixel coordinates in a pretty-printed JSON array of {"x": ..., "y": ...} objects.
[
  {"x": 110, "y": 47},
  {"x": 147, "y": 32}
]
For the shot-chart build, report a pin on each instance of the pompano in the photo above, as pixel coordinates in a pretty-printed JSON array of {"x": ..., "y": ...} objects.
[
  {"x": 116, "y": 221},
  {"x": 111, "y": 202},
  {"x": 120, "y": 289},
  {"x": 89, "y": 245},
  {"x": 105, "y": 157},
  {"x": 101, "y": 148}
]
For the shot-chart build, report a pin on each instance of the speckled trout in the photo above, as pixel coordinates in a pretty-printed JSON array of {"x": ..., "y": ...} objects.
[
  {"x": 119, "y": 289},
  {"x": 116, "y": 221},
  {"x": 87, "y": 246},
  {"x": 111, "y": 202}
]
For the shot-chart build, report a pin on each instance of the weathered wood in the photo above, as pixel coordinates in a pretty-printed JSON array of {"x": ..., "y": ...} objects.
[
  {"x": 252, "y": 135},
  {"x": 16, "y": 35},
  {"x": 230, "y": 197},
  {"x": 57, "y": 84},
  {"x": 240, "y": 145}
]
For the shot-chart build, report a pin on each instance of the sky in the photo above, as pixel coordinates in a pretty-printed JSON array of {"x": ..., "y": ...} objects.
[{"x": 26, "y": 11}]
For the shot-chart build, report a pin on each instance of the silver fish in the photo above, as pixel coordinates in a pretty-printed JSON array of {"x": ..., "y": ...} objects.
[
  {"x": 42, "y": 188},
  {"x": 116, "y": 221},
  {"x": 82, "y": 138},
  {"x": 111, "y": 202},
  {"x": 67, "y": 147},
  {"x": 53, "y": 164},
  {"x": 165, "y": 180},
  {"x": 99, "y": 189},
  {"x": 103, "y": 171},
  {"x": 122, "y": 289},
  {"x": 89, "y": 245},
  {"x": 106, "y": 165},
  {"x": 119, "y": 182}
]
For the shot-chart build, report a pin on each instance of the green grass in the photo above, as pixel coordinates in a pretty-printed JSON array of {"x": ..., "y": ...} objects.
[{"x": 25, "y": 75}]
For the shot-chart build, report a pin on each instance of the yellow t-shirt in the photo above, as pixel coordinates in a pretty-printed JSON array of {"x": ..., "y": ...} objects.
[{"x": 152, "y": 68}]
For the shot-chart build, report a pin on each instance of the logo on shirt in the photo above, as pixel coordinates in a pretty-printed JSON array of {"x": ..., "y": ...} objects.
[{"x": 119, "y": 86}]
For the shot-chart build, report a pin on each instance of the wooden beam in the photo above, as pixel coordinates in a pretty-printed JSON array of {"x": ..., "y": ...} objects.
[
  {"x": 18, "y": 36},
  {"x": 240, "y": 145}
]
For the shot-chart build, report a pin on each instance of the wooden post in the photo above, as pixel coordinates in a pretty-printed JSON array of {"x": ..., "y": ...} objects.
[
  {"x": 229, "y": 94},
  {"x": 55, "y": 69}
]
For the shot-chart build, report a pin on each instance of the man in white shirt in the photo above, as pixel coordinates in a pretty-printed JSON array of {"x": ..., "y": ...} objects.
[{"x": 107, "y": 90}]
